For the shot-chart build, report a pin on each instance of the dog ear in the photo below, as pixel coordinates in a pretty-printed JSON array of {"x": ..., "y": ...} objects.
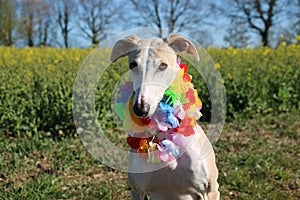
[
  {"x": 181, "y": 44},
  {"x": 123, "y": 47}
]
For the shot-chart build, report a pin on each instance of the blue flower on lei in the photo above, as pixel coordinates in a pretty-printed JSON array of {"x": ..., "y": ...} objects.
[
  {"x": 171, "y": 119},
  {"x": 168, "y": 150}
]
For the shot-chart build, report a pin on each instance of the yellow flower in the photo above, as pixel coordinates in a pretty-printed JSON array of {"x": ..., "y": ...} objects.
[
  {"x": 281, "y": 36},
  {"x": 283, "y": 44},
  {"x": 217, "y": 65},
  {"x": 56, "y": 61},
  {"x": 229, "y": 75}
]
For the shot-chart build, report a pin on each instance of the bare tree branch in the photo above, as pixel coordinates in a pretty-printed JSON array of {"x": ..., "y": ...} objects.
[
  {"x": 95, "y": 17},
  {"x": 174, "y": 15},
  {"x": 64, "y": 11},
  {"x": 259, "y": 15}
]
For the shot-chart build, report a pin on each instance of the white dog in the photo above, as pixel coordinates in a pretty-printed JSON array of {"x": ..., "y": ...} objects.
[{"x": 153, "y": 67}]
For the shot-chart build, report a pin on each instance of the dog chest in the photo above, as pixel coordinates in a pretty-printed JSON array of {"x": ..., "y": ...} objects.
[{"x": 187, "y": 176}]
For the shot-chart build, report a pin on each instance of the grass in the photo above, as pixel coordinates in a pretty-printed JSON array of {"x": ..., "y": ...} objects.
[
  {"x": 257, "y": 159},
  {"x": 257, "y": 155},
  {"x": 260, "y": 160}
]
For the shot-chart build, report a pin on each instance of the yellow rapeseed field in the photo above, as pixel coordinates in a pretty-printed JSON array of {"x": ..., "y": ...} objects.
[{"x": 36, "y": 84}]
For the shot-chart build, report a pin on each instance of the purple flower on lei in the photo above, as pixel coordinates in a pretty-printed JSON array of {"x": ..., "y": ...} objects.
[
  {"x": 168, "y": 150},
  {"x": 126, "y": 92},
  {"x": 163, "y": 118}
]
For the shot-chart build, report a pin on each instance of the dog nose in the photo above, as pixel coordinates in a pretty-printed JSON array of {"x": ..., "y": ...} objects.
[{"x": 141, "y": 109}]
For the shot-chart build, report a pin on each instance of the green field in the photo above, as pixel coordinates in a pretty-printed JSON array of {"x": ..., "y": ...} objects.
[{"x": 43, "y": 158}]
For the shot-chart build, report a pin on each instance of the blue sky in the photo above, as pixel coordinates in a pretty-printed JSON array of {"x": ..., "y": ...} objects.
[
  {"x": 214, "y": 28},
  {"x": 211, "y": 30},
  {"x": 216, "y": 31}
]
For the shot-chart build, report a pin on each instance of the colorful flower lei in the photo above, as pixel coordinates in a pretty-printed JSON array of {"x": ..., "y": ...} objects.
[{"x": 175, "y": 116}]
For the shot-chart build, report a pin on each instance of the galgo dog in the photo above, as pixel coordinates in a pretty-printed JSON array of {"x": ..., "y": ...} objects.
[{"x": 189, "y": 171}]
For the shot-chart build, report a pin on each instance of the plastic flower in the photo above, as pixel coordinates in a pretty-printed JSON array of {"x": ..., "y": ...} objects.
[
  {"x": 179, "y": 86},
  {"x": 171, "y": 119},
  {"x": 133, "y": 142},
  {"x": 186, "y": 126},
  {"x": 168, "y": 150},
  {"x": 184, "y": 67},
  {"x": 152, "y": 156},
  {"x": 170, "y": 96},
  {"x": 198, "y": 100},
  {"x": 191, "y": 96},
  {"x": 186, "y": 77},
  {"x": 178, "y": 60},
  {"x": 178, "y": 139},
  {"x": 120, "y": 110},
  {"x": 159, "y": 121},
  {"x": 178, "y": 110},
  {"x": 194, "y": 112},
  {"x": 126, "y": 92},
  {"x": 143, "y": 147}
]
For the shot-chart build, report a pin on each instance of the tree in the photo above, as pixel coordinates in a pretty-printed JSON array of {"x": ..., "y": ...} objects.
[
  {"x": 95, "y": 18},
  {"x": 8, "y": 22},
  {"x": 27, "y": 28},
  {"x": 64, "y": 10},
  {"x": 259, "y": 15},
  {"x": 37, "y": 25},
  {"x": 45, "y": 24},
  {"x": 175, "y": 15},
  {"x": 203, "y": 37},
  {"x": 237, "y": 35},
  {"x": 296, "y": 14},
  {"x": 291, "y": 29}
]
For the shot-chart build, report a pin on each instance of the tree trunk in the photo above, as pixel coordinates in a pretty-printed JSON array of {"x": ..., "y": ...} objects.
[
  {"x": 265, "y": 38},
  {"x": 30, "y": 42}
]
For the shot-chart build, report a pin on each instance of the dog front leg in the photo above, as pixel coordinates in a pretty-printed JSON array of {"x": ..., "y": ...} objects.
[
  {"x": 135, "y": 195},
  {"x": 213, "y": 185},
  {"x": 213, "y": 193}
]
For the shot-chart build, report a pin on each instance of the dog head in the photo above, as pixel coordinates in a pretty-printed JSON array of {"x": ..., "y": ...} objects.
[{"x": 153, "y": 67}]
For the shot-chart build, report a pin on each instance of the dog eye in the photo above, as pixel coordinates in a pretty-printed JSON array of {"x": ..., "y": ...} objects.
[
  {"x": 163, "y": 66},
  {"x": 132, "y": 65}
]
